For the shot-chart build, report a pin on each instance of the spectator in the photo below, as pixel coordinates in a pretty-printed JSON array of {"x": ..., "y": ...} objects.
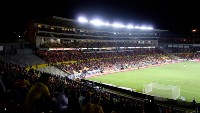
[
  {"x": 194, "y": 102},
  {"x": 91, "y": 108},
  {"x": 38, "y": 96},
  {"x": 61, "y": 101},
  {"x": 81, "y": 98}
]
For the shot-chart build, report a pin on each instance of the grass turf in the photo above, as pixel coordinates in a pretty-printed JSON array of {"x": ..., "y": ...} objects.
[{"x": 187, "y": 77}]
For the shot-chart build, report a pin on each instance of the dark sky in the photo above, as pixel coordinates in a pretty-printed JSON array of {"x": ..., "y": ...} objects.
[{"x": 179, "y": 16}]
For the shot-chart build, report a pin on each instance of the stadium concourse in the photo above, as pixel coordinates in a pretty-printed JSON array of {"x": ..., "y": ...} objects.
[{"x": 47, "y": 75}]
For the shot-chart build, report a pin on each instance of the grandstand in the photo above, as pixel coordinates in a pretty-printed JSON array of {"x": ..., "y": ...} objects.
[
  {"x": 71, "y": 51},
  {"x": 67, "y": 33}
]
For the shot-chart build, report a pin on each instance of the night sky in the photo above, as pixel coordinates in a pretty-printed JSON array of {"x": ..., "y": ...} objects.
[{"x": 179, "y": 16}]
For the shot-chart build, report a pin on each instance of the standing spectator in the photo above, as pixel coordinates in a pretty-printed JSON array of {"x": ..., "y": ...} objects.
[{"x": 194, "y": 103}]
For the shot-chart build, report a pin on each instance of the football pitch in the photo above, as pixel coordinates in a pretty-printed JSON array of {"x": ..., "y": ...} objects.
[{"x": 183, "y": 74}]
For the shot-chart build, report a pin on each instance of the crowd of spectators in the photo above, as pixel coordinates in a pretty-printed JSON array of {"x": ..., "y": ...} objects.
[
  {"x": 185, "y": 53},
  {"x": 35, "y": 92},
  {"x": 96, "y": 43},
  {"x": 84, "y": 61},
  {"x": 196, "y": 56}
]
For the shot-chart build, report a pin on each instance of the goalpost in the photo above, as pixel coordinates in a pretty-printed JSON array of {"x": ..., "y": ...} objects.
[{"x": 162, "y": 90}]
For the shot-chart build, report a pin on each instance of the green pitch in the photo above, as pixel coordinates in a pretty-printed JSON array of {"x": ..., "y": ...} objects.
[{"x": 187, "y": 77}]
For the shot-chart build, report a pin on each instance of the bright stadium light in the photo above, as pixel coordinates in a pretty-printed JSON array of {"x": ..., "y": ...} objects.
[
  {"x": 130, "y": 26},
  {"x": 107, "y": 24},
  {"x": 137, "y": 27},
  {"x": 97, "y": 22},
  {"x": 82, "y": 20},
  {"x": 143, "y": 28},
  {"x": 146, "y": 28},
  {"x": 118, "y": 25},
  {"x": 150, "y": 28},
  {"x": 194, "y": 30}
]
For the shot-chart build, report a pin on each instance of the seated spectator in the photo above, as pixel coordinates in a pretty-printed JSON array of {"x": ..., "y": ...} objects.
[
  {"x": 38, "y": 96},
  {"x": 22, "y": 82},
  {"x": 21, "y": 86},
  {"x": 81, "y": 98},
  {"x": 61, "y": 101}
]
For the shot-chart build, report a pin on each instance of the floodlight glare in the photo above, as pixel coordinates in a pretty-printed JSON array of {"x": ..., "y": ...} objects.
[
  {"x": 149, "y": 28},
  {"x": 107, "y": 24},
  {"x": 194, "y": 30},
  {"x": 143, "y": 27},
  {"x": 137, "y": 27},
  {"x": 97, "y": 22},
  {"x": 130, "y": 26},
  {"x": 82, "y": 20},
  {"x": 118, "y": 25}
]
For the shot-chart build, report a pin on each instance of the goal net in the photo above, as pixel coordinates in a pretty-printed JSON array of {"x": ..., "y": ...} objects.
[{"x": 162, "y": 90}]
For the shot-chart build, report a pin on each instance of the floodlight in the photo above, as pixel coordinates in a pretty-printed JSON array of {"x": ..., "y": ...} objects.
[
  {"x": 82, "y": 20},
  {"x": 107, "y": 24},
  {"x": 97, "y": 22},
  {"x": 149, "y": 28},
  {"x": 118, "y": 25},
  {"x": 143, "y": 27},
  {"x": 194, "y": 30},
  {"x": 137, "y": 27},
  {"x": 130, "y": 26}
]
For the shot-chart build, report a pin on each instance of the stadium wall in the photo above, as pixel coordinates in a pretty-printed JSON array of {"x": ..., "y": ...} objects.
[{"x": 24, "y": 51}]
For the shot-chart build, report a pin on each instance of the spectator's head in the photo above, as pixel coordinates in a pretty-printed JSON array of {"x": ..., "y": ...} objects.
[
  {"x": 60, "y": 89},
  {"x": 44, "y": 78},
  {"x": 86, "y": 100}
]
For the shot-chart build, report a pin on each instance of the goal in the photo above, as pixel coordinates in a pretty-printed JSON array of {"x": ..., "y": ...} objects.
[{"x": 162, "y": 90}]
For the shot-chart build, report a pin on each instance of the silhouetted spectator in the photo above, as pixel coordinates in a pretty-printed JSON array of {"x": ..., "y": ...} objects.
[{"x": 38, "y": 97}]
